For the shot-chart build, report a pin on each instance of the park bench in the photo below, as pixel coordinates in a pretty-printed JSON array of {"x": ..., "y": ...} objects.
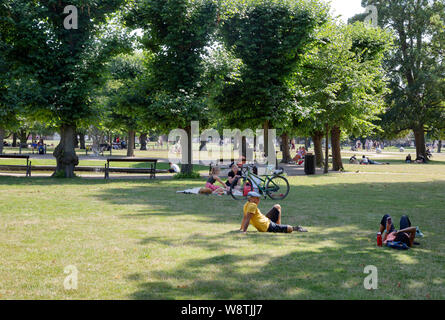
[
  {"x": 13, "y": 167},
  {"x": 151, "y": 170}
]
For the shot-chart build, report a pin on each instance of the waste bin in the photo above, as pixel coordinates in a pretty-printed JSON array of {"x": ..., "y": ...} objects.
[{"x": 309, "y": 164}]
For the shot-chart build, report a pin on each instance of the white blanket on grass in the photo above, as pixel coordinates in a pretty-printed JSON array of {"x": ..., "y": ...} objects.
[{"x": 191, "y": 191}]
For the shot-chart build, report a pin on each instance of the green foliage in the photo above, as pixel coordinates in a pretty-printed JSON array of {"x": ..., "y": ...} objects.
[
  {"x": 123, "y": 94},
  {"x": 341, "y": 82},
  {"x": 62, "y": 66},
  {"x": 176, "y": 32},
  {"x": 60, "y": 175},
  {"x": 415, "y": 66},
  {"x": 268, "y": 38},
  {"x": 187, "y": 176}
]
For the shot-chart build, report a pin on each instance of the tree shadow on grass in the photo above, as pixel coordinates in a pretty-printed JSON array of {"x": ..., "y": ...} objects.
[
  {"x": 326, "y": 263},
  {"x": 313, "y": 272}
]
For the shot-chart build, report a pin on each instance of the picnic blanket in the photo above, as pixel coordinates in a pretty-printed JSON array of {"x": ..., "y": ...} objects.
[{"x": 192, "y": 191}]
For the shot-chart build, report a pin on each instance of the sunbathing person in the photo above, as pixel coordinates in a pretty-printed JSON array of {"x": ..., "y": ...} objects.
[
  {"x": 214, "y": 177},
  {"x": 353, "y": 160},
  {"x": 406, "y": 235},
  {"x": 264, "y": 223}
]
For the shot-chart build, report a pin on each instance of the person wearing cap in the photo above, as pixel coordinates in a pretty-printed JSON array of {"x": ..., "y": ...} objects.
[{"x": 264, "y": 223}]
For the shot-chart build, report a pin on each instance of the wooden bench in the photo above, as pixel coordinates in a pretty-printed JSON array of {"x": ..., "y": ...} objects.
[
  {"x": 151, "y": 170},
  {"x": 28, "y": 162}
]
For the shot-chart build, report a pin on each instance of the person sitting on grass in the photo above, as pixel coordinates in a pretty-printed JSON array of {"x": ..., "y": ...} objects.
[
  {"x": 233, "y": 176},
  {"x": 406, "y": 234},
  {"x": 408, "y": 158},
  {"x": 365, "y": 160},
  {"x": 174, "y": 168},
  {"x": 264, "y": 223},
  {"x": 353, "y": 160},
  {"x": 420, "y": 159},
  {"x": 214, "y": 177}
]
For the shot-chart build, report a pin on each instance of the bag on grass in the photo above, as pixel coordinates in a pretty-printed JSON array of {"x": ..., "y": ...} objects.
[
  {"x": 205, "y": 191},
  {"x": 247, "y": 188}
]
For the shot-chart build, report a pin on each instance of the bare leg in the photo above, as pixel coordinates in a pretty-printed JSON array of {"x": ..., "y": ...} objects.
[
  {"x": 412, "y": 234},
  {"x": 270, "y": 214},
  {"x": 278, "y": 207}
]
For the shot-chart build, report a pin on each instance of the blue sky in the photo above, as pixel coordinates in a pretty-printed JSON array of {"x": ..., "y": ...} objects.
[{"x": 346, "y": 8}]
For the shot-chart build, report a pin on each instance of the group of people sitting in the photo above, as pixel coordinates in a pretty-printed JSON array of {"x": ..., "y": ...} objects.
[
  {"x": 233, "y": 177},
  {"x": 364, "y": 161},
  {"x": 299, "y": 157},
  {"x": 419, "y": 159}
]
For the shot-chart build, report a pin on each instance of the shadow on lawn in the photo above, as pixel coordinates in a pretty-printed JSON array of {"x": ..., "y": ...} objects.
[
  {"x": 327, "y": 263},
  {"x": 327, "y": 273}
]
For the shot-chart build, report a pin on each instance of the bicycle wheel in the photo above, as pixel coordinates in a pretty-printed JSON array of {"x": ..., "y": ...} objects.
[
  {"x": 277, "y": 188},
  {"x": 237, "y": 190}
]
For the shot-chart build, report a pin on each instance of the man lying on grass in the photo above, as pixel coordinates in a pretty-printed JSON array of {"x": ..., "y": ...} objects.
[{"x": 264, "y": 223}]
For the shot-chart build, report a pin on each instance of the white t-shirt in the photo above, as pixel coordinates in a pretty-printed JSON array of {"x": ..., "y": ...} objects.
[{"x": 175, "y": 167}]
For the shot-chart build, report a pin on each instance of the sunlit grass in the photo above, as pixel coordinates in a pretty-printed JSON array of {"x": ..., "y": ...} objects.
[{"x": 141, "y": 240}]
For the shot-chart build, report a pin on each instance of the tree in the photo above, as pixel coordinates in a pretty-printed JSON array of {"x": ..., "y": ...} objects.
[
  {"x": 8, "y": 101},
  {"x": 268, "y": 38},
  {"x": 176, "y": 33},
  {"x": 124, "y": 96},
  {"x": 415, "y": 66},
  {"x": 64, "y": 65},
  {"x": 341, "y": 84}
]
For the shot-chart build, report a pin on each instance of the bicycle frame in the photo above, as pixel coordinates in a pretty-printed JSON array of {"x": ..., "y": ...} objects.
[{"x": 262, "y": 186}]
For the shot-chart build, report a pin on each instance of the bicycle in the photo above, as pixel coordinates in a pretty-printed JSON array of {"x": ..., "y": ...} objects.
[{"x": 274, "y": 186}]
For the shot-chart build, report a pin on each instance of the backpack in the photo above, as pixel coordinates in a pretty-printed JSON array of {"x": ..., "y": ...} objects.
[
  {"x": 397, "y": 245},
  {"x": 247, "y": 188}
]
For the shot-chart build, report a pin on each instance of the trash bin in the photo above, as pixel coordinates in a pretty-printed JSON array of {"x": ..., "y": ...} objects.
[{"x": 309, "y": 164}]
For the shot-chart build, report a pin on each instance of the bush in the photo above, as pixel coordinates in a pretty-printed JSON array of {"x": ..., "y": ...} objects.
[{"x": 187, "y": 176}]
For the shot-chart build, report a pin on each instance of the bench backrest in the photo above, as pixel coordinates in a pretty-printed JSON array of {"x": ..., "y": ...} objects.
[
  {"x": 131, "y": 160},
  {"x": 5, "y": 156}
]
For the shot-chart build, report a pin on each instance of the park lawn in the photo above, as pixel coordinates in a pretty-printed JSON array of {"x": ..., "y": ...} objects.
[{"x": 140, "y": 240}]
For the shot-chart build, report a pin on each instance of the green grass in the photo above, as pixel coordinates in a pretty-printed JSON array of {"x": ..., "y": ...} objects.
[{"x": 141, "y": 240}]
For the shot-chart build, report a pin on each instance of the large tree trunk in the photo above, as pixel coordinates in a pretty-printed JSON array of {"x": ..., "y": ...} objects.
[
  {"x": 439, "y": 146},
  {"x": 187, "y": 167},
  {"x": 307, "y": 143},
  {"x": 14, "y": 139},
  {"x": 76, "y": 141},
  {"x": 2, "y": 137},
  {"x": 65, "y": 153},
  {"x": 266, "y": 138},
  {"x": 337, "y": 162},
  {"x": 23, "y": 137},
  {"x": 317, "y": 137},
  {"x": 244, "y": 147},
  {"x": 326, "y": 160},
  {"x": 130, "y": 145},
  {"x": 419, "y": 135},
  {"x": 285, "y": 148},
  {"x": 143, "y": 141},
  {"x": 82, "y": 140}
]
